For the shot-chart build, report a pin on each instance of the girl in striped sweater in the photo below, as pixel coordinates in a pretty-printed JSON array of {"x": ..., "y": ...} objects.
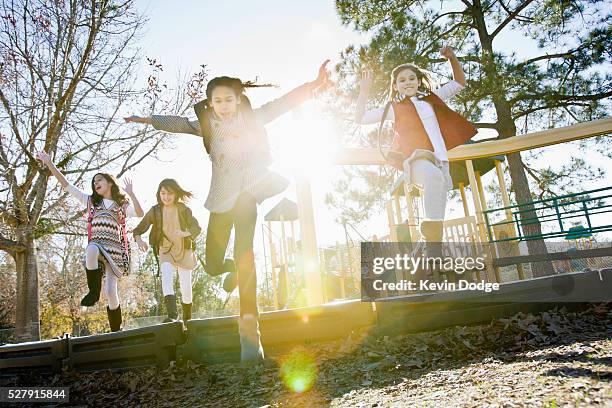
[{"x": 107, "y": 247}]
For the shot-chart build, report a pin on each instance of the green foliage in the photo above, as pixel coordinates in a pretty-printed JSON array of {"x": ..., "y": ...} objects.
[{"x": 566, "y": 81}]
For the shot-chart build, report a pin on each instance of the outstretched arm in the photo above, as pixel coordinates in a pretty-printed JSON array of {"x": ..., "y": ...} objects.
[
  {"x": 46, "y": 160},
  {"x": 458, "y": 74},
  {"x": 291, "y": 100},
  {"x": 168, "y": 123},
  {"x": 72, "y": 190},
  {"x": 364, "y": 92}
]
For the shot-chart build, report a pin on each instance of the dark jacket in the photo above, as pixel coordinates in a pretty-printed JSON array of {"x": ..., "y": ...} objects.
[{"x": 154, "y": 217}]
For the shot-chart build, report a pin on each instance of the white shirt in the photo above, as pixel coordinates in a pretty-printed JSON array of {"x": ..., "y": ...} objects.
[
  {"x": 83, "y": 198},
  {"x": 427, "y": 115}
]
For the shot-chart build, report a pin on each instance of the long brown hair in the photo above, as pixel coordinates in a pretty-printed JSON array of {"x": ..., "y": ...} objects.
[
  {"x": 181, "y": 195},
  {"x": 426, "y": 84},
  {"x": 116, "y": 193}
]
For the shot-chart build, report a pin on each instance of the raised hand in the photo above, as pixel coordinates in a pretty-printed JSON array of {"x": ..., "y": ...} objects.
[
  {"x": 323, "y": 76},
  {"x": 447, "y": 52},
  {"x": 44, "y": 158},
  {"x": 128, "y": 186},
  {"x": 366, "y": 79}
]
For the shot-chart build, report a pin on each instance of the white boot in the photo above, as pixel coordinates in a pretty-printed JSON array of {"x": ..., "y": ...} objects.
[{"x": 251, "y": 350}]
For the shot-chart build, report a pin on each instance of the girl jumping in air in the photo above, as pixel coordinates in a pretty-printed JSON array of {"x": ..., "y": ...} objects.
[
  {"x": 235, "y": 139},
  {"x": 425, "y": 129},
  {"x": 107, "y": 246},
  {"x": 173, "y": 240}
]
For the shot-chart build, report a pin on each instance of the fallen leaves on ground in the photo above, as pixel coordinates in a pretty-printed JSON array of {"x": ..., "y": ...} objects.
[{"x": 551, "y": 359}]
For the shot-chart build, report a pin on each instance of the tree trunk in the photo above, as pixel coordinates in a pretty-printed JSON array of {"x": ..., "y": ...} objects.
[
  {"x": 506, "y": 128},
  {"x": 529, "y": 220},
  {"x": 27, "y": 321}
]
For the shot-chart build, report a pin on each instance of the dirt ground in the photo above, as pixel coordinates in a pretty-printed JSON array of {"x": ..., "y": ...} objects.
[{"x": 551, "y": 359}]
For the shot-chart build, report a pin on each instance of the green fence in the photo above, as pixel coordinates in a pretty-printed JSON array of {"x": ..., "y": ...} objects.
[{"x": 569, "y": 216}]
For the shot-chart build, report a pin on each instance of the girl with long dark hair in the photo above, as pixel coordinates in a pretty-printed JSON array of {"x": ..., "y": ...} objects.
[
  {"x": 107, "y": 251},
  {"x": 173, "y": 234},
  {"x": 235, "y": 139}
]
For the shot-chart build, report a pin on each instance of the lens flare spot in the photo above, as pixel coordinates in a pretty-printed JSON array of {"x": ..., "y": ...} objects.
[{"x": 299, "y": 371}]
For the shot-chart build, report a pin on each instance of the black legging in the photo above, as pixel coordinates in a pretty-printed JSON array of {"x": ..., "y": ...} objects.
[{"x": 243, "y": 218}]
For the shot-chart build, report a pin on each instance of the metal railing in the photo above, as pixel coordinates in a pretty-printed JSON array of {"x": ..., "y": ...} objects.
[{"x": 558, "y": 216}]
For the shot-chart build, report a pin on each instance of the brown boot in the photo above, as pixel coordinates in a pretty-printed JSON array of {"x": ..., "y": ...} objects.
[
  {"x": 94, "y": 284},
  {"x": 170, "y": 301},
  {"x": 251, "y": 350},
  {"x": 432, "y": 231}
]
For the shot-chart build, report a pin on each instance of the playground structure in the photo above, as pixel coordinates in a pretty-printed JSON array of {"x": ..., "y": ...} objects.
[
  {"x": 216, "y": 339},
  {"x": 502, "y": 227}
]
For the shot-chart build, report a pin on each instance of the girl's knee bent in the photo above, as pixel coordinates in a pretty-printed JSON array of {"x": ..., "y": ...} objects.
[{"x": 110, "y": 290}]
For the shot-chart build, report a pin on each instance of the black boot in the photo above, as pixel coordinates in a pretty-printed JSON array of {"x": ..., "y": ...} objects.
[
  {"x": 170, "y": 301},
  {"x": 230, "y": 282},
  {"x": 186, "y": 311},
  {"x": 114, "y": 318},
  {"x": 94, "y": 283}
]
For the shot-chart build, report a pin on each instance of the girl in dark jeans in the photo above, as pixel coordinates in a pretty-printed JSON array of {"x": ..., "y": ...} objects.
[{"x": 235, "y": 139}]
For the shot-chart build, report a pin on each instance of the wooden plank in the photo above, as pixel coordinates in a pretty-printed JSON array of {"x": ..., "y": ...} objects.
[{"x": 361, "y": 156}]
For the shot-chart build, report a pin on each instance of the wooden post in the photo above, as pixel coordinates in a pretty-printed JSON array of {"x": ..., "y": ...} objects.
[
  {"x": 293, "y": 241},
  {"x": 310, "y": 256},
  {"x": 506, "y": 201},
  {"x": 392, "y": 222},
  {"x": 480, "y": 223},
  {"x": 502, "y": 187},
  {"x": 483, "y": 201},
  {"x": 466, "y": 208},
  {"x": 273, "y": 263},
  {"x": 285, "y": 255}
]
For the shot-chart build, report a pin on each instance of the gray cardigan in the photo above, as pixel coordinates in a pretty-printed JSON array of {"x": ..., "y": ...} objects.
[{"x": 235, "y": 152}]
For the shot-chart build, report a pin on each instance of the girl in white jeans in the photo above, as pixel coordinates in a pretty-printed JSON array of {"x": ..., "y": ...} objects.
[
  {"x": 107, "y": 249},
  {"x": 173, "y": 240},
  {"x": 424, "y": 129}
]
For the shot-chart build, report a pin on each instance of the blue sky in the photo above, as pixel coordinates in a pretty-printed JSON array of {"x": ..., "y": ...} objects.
[
  {"x": 279, "y": 42},
  {"x": 282, "y": 42}
]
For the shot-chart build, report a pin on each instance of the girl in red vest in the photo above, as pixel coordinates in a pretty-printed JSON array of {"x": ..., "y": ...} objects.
[
  {"x": 425, "y": 128},
  {"x": 107, "y": 249}
]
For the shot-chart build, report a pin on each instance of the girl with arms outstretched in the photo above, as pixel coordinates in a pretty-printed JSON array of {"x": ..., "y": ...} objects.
[
  {"x": 173, "y": 235},
  {"x": 235, "y": 139}
]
